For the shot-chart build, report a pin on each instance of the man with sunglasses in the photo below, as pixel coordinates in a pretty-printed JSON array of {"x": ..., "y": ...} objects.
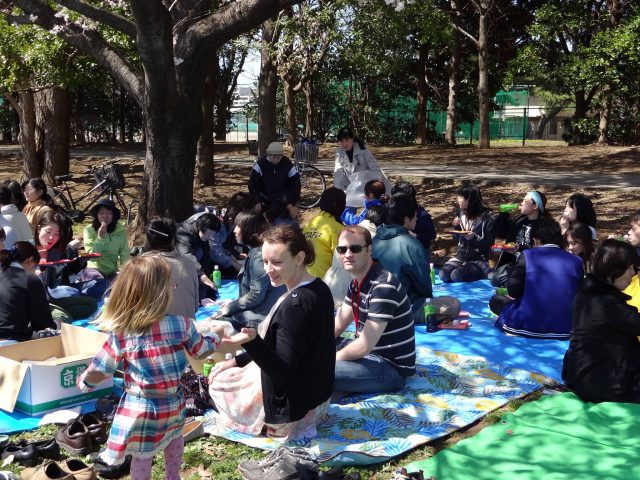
[{"x": 383, "y": 354}]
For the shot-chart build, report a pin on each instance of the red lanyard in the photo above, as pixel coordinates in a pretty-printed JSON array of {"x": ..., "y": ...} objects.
[{"x": 356, "y": 310}]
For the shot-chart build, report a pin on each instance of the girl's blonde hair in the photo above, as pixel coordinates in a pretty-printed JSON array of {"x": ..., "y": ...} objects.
[{"x": 139, "y": 297}]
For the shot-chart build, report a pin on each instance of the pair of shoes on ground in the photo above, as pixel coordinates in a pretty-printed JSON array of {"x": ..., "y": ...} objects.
[
  {"x": 69, "y": 469},
  {"x": 29, "y": 454},
  {"x": 282, "y": 464},
  {"x": 80, "y": 435},
  {"x": 105, "y": 470}
]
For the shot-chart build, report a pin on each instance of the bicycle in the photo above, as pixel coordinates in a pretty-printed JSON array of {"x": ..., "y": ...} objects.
[
  {"x": 109, "y": 181},
  {"x": 313, "y": 183}
]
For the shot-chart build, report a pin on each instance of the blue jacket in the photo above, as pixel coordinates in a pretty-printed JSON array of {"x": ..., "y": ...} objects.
[
  {"x": 350, "y": 217},
  {"x": 425, "y": 230},
  {"x": 552, "y": 276},
  {"x": 406, "y": 258},
  {"x": 256, "y": 294}
]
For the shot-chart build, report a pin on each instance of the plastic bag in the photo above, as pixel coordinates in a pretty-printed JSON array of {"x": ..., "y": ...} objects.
[{"x": 355, "y": 189}]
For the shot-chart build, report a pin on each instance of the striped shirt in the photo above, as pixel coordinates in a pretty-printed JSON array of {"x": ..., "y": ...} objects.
[{"x": 384, "y": 299}]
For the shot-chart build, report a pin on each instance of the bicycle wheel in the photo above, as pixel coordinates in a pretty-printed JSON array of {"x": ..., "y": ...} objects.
[
  {"x": 61, "y": 199},
  {"x": 313, "y": 185}
]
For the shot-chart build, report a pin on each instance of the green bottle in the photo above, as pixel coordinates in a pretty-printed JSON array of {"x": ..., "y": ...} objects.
[
  {"x": 432, "y": 274},
  {"x": 509, "y": 207},
  {"x": 216, "y": 276},
  {"x": 430, "y": 316},
  {"x": 209, "y": 363}
]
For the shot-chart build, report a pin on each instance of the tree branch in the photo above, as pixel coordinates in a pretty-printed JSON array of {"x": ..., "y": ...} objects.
[
  {"x": 14, "y": 103},
  {"x": 105, "y": 17},
  {"x": 87, "y": 41},
  {"x": 467, "y": 34},
  {"x": 233, "y": 20}
]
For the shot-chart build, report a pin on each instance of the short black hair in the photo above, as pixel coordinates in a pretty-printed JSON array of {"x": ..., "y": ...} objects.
[
  {"x": 333, "y": 201},
  {"x": 161, "y": 233},
  {"x": 404, "y": 187},
  {"x": 400, "y": 206},
  {"x": 548, "y": 231},
  {"x": 5, "y": 196},
  {"x": 375, "y": 214},
  {"x": 612, "y": 259},
  {"x": 208, "y": 221},
  {"x": 3, "y": 234}
]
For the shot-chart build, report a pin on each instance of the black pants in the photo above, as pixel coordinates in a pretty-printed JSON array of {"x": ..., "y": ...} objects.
[{"x": 498, "y": 302}]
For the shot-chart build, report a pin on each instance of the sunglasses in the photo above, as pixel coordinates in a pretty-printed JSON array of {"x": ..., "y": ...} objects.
[{"x": 342, "y": 249}]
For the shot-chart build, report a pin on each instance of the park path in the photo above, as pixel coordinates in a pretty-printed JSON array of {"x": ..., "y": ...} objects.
[{"x": 418, "y": 169}]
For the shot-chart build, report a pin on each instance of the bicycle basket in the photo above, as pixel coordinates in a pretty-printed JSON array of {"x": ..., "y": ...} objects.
[
  {"x": 114, "y": 174},
  {"x": 306, "y": 152}
]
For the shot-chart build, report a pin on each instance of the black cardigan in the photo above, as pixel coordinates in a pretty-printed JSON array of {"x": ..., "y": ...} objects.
[
  {"x": 23, "y": 305},
  {"x": 297, "y": 356},
  {"x": 603, "y": 360}
]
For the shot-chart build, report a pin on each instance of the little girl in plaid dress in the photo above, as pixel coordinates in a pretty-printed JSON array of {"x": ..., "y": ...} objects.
[{"x": 151, "y": 346}]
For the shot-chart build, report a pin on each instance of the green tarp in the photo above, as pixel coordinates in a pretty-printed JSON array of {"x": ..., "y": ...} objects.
[{"x": 556, "y": 437}]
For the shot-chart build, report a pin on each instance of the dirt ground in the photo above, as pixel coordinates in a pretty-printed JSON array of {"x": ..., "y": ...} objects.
[{"x": 614, "y": 207}]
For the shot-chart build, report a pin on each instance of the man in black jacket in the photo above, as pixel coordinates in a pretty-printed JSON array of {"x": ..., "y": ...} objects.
[
  {"x": 193, "y": 237},
  {"x": 273, "y": 176}
]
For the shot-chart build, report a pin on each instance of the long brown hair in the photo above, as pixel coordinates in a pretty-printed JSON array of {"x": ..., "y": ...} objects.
[{"x": 139, "y": 297}]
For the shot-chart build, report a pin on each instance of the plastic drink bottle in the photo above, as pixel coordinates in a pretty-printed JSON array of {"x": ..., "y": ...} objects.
[
  {"x": 432, "y": 274},
  {"x": 209, "y": 363},
  {"x": 216, "y": 276},
  {"x": 509, "y": 207},
  {"x": 430, "y": 316}
]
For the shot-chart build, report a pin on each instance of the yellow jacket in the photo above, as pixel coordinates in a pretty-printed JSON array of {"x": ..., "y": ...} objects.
[
  {"x": 633, "y": 290},
  {"x": 322, "y": 231}
]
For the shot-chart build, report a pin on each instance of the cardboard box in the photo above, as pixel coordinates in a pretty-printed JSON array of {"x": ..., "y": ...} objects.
[{"x": 33, "y": 384}]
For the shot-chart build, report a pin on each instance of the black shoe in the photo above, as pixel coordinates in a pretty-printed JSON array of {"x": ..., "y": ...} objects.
[
  {"x": 48, "y": 448},
  {"x": 112, "y": 471},
  {"x": 25, "y": 455}
]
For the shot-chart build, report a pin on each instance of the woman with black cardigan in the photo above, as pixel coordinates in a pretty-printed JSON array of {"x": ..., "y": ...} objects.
[
  {"x": 603, "y": 360},
  {"x": 23, "y": 301},
  {"x": 295, "y": 350}
]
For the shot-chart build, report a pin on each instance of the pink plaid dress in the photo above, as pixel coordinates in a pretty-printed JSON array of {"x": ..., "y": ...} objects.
[{"x": 151, "y": 413}]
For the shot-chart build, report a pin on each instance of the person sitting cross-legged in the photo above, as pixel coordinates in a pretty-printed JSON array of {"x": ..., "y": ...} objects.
[
  {"x": 405, "y": 257},
  {"x": 383, "y": 353}
]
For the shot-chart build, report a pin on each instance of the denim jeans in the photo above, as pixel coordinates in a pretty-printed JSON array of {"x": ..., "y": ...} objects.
[{"x": 369, "y": 374}]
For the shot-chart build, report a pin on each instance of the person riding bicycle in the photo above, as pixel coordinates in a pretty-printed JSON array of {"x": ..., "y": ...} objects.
[{"x": 274, "y": 175}]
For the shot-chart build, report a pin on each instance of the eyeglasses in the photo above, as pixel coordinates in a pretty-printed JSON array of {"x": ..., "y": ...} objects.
[{"x": 342, "y": 249}]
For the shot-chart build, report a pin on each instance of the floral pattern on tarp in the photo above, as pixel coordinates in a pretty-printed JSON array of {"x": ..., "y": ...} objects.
[{"x": 448, "y": 392}]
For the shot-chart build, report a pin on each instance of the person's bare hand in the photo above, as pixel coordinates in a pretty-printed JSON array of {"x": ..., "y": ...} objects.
[
  {"x": 102, "y": 231},
  {"x": 456, "y": 222},
  {"x": 245, "y": 336},
  {"x": 221, "y": 367}
]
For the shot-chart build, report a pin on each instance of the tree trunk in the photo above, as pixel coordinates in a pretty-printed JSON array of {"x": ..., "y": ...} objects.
[
  {"x": 31, "y": 165},
  {"x": 290, "y": 108},
  {"x": 53, "y": 129},
  {"x": 204, "y": 158},
  {"x": 454, "y": 67},
  {"x": 421, "y": 95},
  {"x": 171, "y": 137},
  {"x": 483, "y": 79},
  {"x": 308, "y": 95},
  {"x": 577, "y": 137},
  {"x": 267, "y": 90},
  {"x": 605, "y": 115}
]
